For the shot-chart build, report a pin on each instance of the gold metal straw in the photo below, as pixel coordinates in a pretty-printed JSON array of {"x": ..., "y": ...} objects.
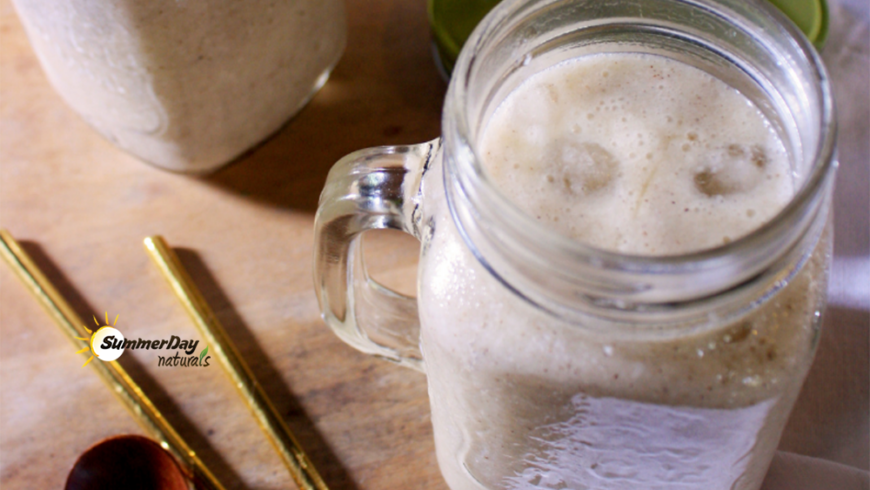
[
  {"x": 301, "y": 469},
  {"x": 148, "y": 416}
]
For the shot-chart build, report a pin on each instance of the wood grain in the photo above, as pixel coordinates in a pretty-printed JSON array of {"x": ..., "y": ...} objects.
[{"x": 82, "y": 208}]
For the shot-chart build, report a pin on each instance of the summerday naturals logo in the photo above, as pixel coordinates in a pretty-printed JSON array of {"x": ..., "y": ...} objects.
[{"x": 107, "y": 344}]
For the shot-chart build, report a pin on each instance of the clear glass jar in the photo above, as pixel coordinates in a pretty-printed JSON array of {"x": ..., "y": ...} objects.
[
  {"x": 187, "y": 86},
  {"x": 557, "y": 365}
]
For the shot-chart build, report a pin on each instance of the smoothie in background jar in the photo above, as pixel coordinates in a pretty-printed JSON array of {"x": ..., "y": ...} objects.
[{"x": 186, "y": 86}]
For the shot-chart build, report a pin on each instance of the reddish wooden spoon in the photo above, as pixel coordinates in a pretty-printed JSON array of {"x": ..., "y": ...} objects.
[{"x": 127, "y": 462}]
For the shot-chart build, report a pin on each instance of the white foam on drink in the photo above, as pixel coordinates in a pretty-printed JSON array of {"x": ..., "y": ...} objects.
[{"x": 637, "y": 154}]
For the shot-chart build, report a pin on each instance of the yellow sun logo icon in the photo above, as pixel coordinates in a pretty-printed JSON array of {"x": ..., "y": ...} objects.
[{"x": 95, "y": 343}]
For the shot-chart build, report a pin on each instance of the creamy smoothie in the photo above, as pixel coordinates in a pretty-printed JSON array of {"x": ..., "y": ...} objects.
[
  {"x": 641, "y": 155},
  {"x": 185, "y": 85}
]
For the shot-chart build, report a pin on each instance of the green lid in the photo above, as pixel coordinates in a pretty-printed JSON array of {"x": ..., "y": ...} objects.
[
  {"x": 453, "y": 20},
  {"x": 811, "y": 16}
]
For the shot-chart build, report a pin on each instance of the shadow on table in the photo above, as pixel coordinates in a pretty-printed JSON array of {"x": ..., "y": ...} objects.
[
  {"x": 318, "y": 450},
  {"x": 161, "y": 399},
  {"x": 829, "y": 420},
  {"x": 795, "y": 472},
  {"x": 384, "y": 91}
]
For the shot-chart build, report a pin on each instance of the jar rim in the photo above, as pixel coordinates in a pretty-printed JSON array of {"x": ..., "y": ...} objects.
[{"x": 478, "y": 188}]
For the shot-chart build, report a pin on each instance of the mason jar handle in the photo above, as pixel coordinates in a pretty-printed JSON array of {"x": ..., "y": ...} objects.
[{"x": 369, "y": 189}]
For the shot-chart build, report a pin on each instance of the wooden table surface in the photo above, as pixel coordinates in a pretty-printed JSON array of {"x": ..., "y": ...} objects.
[{"x": 82, "y": 208}]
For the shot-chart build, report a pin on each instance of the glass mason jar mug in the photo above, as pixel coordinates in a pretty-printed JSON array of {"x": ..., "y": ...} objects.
[{"x": 553, "y": 364}]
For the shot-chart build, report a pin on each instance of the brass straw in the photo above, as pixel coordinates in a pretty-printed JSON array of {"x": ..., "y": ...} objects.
[
  {"x": 301, "y": 469},
  {"x": 148, "y": 416}
]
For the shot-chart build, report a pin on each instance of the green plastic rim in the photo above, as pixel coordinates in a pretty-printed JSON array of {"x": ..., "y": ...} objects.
[
  {"x": 811, "y": 16},
  {"x": 453, "y": 20}
]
